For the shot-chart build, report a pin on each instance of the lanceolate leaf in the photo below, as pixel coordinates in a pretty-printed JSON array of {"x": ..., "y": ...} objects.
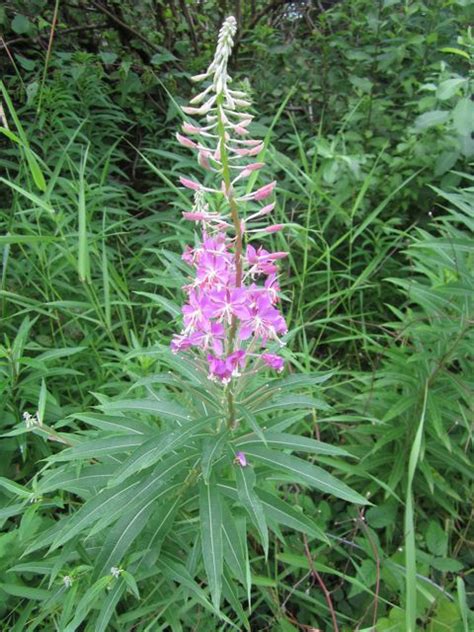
[
  {"x": 211, "y": 536},
  {"x": 108, "y": 607},
  {"x": 306, "y": 472},
  {"x": 234, "y": 532},
  {"x": 160, "y": 444},
  {"x": 114, "y": 424},
  {"x": 211, "y": 451},
  {"x": 97, "y": 448},
  {"x": 283, "y": 513},
  {"x": 245, "y": 477},
  {"x": 124, "y": 532},
  {"x": 292, "y": 402},
  {"x": 93, "y": 510},
  {"x": 295, "y": 443},
  {"x": 165, "y": 409}
]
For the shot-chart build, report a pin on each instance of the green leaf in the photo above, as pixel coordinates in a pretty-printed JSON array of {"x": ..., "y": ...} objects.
[
  {"x": 155, "y": 447},
  {"x": 307, "y": 473},
  {"x": 31, "y": 158},
  {"x": 283, "y": 513},
  {"x": 210, "y": 507},
  {"x": 25, "y": 592},
  {"x": 21, "y": 24},
  {"x": 121, "y": 536},
  {"x": 292, "y": 402},
  {"x": 436, "y": 539},
  {"x": 462, "y": 600},
  {"x": 15, "y": 488},
  {"x": 37, "y": 201},
  {"x": 108, "y": 606},
  {"x": 211, "y": 451},
  {"x": 131, "y": 583},
  {"x": 245, "y": 478},
  {"x": 409, "y": 524},
  {"x": 114, "y": 424},
  {"x": 455, "y": 51},
  {"x": 87, "y": 602},
  {"x": 106, "y": 502},
  {"x": 430, "y": 119},
  {"x": 169, "y": 410},
  {"x": 463, "y": 117},
  {"x": 449, "y": 87},
  {"x": 230, "y": 593},
  {"x": 234, "y": 532},
  {"x": 96, "y": 448},
  {"x": 295, "y": 443},
  {"x": 446, "y": 565},
  {"x": 83, "y": 257}
]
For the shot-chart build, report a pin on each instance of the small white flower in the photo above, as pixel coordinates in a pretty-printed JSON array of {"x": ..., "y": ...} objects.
[
  {"x": 115, "y": 572},
  {"x": 67, "y": 581},
  {"x": 31, "y": 420}
]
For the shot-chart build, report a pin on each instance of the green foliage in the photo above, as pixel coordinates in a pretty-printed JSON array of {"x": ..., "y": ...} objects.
[{"x": 125, "y": 509}]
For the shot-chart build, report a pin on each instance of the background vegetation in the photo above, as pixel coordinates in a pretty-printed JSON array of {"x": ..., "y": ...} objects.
[{"x": 366, "y": 108}]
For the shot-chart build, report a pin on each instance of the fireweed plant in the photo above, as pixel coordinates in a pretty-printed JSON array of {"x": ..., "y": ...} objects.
[
  {"x": 229, "y": 315},
  {"x": 176, "y": 486}
]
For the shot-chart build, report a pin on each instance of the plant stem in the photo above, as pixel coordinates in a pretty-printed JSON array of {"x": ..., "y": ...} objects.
[{"x": 238, "y": 246}]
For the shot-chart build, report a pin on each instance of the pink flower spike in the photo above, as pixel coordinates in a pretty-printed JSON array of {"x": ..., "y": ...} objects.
[
  {"x": 185, "y": 141},
  {"x": 190, "y": 184},
  {"x": 274, "y": 229},
  {"x": 241, "y": 459},
  {"x": 263, "y": 192}
]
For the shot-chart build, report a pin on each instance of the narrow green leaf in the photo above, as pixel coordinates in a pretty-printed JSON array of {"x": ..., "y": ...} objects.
[
  {"x": 169, "y": 410},
  {"x": 37, "y": 201},
  {"x": 210, "y": 506},
  {"x": 288, "y": 441},
  {"x": 15, "y": 488},
  {"x": 234, "y": 532},
  {"x": 155, "y": 447},
  {"x": 211, "y": 451},
  {"x": 245, "y": 478},
  {"x": 283, "y": 513},
  {"x": 307, "y": 473},
  {"x": 83, "y": 257},
  {"x": 108, "y": 606},
  {"x": 96, "y": 448},
  {"x": 410, "y": 543}
]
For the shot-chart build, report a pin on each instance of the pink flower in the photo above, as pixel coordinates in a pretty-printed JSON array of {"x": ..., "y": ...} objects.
[
  {"x": 241, "y": 459},
  {"x": 274, "y": 361},
  {"x": 265, "y": 321},
  {"x": 225, "y": 369},
  {"x": 193, "y": 314},
  {"x": 224, "y": 304}
]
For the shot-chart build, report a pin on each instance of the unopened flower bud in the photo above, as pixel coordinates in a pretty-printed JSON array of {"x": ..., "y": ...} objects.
[
  {"x": 190, "y": 184},
  {"x": 263, "y": 192},
  {"x": 185, "y": 141},
  {"x": 274, "y": 229}
]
